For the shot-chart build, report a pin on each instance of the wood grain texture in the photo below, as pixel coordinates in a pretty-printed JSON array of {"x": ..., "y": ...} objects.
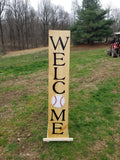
[{"x": 62, "y": 54}]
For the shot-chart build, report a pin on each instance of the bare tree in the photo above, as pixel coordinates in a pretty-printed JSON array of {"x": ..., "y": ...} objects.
[
  {"x": 75, "y": 8},
  {"x": 115, "y": 13},
  {"x": 23, "y": 27},
  {"x": 2, "y": 7},
  {"x": 54, "y": 17},
  {"x": 63, "y": 19},
  {"x": 11, "y": 35},
  {"x": 44, "y": 12}
]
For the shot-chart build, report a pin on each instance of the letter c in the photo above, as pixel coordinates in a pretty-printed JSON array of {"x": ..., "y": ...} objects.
[{"x": 54, "y": 89}]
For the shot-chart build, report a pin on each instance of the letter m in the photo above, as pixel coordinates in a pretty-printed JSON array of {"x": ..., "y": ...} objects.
[
  {"x": 56, "y": 116},
  {"x": 60, "y": 39}
]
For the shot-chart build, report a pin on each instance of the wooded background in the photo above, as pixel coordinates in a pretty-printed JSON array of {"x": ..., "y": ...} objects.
[{"x": 23, "y": 27}]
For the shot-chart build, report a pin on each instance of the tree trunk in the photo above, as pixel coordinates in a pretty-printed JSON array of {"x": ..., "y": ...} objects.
[{"x": 2, "y": 38}]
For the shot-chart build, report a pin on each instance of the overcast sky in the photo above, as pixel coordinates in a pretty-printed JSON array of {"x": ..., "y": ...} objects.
[{"x": 67, "y": 3}]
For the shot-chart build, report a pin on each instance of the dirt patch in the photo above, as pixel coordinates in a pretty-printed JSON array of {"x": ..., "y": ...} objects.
[
  {"x": 27, "y": 151},
  {"x": 73, "y": 49},
  {"x": 99, "y": 146},
  {"x": 116, "y": 138},
  {"x": 104, "y": 71},
  {"x": 31, "y": 85},
  {"x": 6, "y": 98},
  {"x": 24, "y": 52},
  {"x": 87, "y": 47}
]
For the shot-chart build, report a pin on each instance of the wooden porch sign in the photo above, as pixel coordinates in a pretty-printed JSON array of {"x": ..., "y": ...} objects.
[{"x": 58, "y": 94}]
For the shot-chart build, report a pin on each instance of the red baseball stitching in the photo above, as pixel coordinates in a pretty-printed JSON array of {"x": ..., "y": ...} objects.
[
  {"x": 55, "y": 100},
  {"x": 61, "y": 101}
]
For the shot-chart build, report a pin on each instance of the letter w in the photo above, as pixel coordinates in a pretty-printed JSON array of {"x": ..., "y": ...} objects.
[{"x": 55, "y": 46}]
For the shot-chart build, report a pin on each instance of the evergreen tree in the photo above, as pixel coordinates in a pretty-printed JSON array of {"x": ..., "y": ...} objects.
[{"x": 92, "y": 24}]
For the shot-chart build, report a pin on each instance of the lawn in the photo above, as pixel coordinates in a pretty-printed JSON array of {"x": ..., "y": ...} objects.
[{"x": 94, "y": 108}]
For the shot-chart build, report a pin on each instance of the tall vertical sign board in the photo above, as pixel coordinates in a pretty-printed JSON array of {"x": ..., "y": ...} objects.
[{"x": 58, "y": 94}]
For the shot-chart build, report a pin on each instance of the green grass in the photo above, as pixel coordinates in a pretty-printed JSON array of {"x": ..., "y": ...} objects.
[
  {"x": 94, "y": 114},
  {"x": 23, "y": 65}
]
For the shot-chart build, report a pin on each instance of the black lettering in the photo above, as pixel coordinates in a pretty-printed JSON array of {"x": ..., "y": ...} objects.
[
  {"x": 55, "y": 46},
  {"x": 54, "y": 89},
  {"x": 55, "y": 59},
  {"x": 56, "y": 116},
  {"x": 55, "y": 77},
  {"x": 54, "y": 127}
]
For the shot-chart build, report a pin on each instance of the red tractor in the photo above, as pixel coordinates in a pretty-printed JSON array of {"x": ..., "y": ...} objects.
[{"x": 115, "y": 46}]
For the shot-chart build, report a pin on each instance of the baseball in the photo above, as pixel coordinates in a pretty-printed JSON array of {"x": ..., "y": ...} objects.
[{"x": 58, "y": 101}]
